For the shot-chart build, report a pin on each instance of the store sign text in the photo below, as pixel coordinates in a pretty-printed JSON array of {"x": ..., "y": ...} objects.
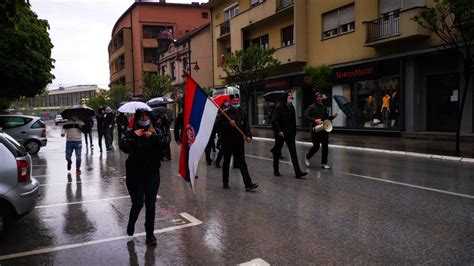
[{"x": 355, "y": 73}]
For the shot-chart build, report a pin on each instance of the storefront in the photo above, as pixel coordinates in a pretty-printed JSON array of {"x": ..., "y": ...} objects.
[
  {"x": 262, "y": 109},
  {"x": 368, "y": 96}
]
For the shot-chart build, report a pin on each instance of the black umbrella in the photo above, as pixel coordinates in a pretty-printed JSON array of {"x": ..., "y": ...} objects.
[
  {"x": 81, "y": 111},
  {"x": 347, "y": 107},
  {"x": 273, "y": 96},
  {"x": 159, "y": 101}
]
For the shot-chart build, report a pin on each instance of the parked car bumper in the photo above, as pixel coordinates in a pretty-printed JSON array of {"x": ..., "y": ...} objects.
[{"x": 24, "y": 196}]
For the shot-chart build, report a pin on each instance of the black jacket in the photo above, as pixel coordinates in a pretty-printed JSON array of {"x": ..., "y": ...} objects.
[
  {"x": 284, "y": 119},
  {"x": 178, "y": 126},
  {"x": 317, "y": 111},
  {"x": 143, "y": 153},
  {"x": 240, "y": 117},
  {"x": 122, "y": 120}
]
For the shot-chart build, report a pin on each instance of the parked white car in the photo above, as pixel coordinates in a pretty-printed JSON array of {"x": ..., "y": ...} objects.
[
  {"x": 59, "y": 119},
  {"x": 18, "y": 190},
  {"x": 28, "y": 130}
]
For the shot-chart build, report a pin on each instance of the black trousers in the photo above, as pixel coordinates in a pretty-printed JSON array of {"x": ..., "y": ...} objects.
[
  {"x": 291, "y": 144},
  {"x": 235, "y": 148},
  {"x": 318, "y": 138},
  {"x": 104, "y": 133},
  {"x": 88, "y": 135},
  {"x": 143, "y": 188}
]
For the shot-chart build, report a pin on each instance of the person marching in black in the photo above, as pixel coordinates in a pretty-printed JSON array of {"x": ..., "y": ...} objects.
[
  {"x": 110, "y": 122},
  {"x": 284, "y": 128},
  {"x": 317, "y": 113},
  {"x": 233, "y": 143},
  {"x": 218, "y": 128},
  {"x": 143, "y": 144},
  {"x": 122, "y": 123},
  {"x": 102, "y": 128},
  {"x": 178, "y": 127}
]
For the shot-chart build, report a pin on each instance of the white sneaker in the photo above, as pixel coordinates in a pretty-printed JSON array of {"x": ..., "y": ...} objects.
[
  {"x": 325, "y": 167},
  {"x": 306, "y": 161}
]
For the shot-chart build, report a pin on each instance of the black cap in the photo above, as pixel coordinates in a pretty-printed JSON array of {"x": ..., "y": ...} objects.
[{"x": 232, "y": 96}]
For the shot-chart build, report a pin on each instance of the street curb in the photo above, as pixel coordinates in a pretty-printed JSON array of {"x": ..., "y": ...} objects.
[{"x": 393, "y": 152}]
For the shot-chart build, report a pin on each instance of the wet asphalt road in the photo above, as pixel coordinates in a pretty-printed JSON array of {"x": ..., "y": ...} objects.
[{"x": 370, "y": 208}]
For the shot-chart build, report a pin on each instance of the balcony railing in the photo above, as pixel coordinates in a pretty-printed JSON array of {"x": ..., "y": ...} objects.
[
  {"x": 384, "y": 27},
  {"x": 284, "y": 3},
  {"x": 225, "y": 28}
]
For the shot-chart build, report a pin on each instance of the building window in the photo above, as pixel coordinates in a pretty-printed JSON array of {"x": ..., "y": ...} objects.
[
  {"x": 256, "y": 2},
  {"x": 173, "y": 70},
  {"x": 338, "y": 22},
  {"x": 163, "y": 70},
  {"x": 204, "y": 15},
  {"x": 185, "y": 63},
  {"x": 231, "y": 11},
  {"x": 149, "y": 55},
  {"x": 152, "y": 32},
  {"x": 262, "y": 41},
  {"x": 287, "y": 37}
]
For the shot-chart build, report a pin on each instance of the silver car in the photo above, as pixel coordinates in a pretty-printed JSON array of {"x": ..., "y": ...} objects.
[
  {"x": 27, "y": 130},
  {"x": 18, "y": 190}
]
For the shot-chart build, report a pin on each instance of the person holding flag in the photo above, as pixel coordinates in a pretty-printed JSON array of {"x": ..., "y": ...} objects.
[{"x": 233, "y": 142}]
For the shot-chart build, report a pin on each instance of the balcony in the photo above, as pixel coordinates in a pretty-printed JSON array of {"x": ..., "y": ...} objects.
[
  {"x": 290, "y": 54},
  {"x": 393, "y": 28},
  {"x": 225, "y": 28},
  {"x": 282, "y": 4}
]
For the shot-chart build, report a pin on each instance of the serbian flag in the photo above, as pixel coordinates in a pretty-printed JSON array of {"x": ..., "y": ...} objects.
[{"x": 199, "y": 117}]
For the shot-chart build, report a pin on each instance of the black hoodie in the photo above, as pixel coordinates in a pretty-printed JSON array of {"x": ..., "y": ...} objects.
[{"x": 284, "y": 117}]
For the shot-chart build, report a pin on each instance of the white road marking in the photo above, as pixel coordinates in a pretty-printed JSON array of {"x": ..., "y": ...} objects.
[
  {"x": 266, "y": 159},
  {"x": 79, "y": 182},
  {"x": 82, "y": 202},
  {"x": 255, "y": 262},
  {"x": 413, "y": 186},
  {"x": 192, "y": 222}
]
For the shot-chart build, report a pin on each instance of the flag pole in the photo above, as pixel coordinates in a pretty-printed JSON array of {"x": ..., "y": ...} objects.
[{"x": 220, "y": 110}]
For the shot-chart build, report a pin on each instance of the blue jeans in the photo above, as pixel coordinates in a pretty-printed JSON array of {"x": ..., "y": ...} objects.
[{"x": 75, "y": 146}]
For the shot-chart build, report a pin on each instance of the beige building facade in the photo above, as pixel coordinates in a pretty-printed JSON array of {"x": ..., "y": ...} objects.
[{"x": 390, "y": 74}]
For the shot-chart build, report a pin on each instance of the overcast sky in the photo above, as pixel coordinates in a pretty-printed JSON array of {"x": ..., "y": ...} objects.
[{"x": 80, "y": 31}]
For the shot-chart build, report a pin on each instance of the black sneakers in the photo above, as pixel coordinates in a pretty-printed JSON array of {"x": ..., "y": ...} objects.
[
  {"x": 226, "y": 186},
  {"x": 301, "y": 175},
  {"x": 276, "y": 173},
  {"x": 251, "y": 187},
  {"x": 151, "y": 240}
]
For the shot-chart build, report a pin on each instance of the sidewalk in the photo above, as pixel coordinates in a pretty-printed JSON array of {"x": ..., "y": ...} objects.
[{"x": 440, "y": 149}]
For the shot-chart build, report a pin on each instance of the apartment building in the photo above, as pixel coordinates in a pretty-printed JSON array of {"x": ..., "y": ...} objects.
[
  {"x": 142, "y": 28},
  {"x": 190, "y": 53},
  {"x": 392, "y": 73}
]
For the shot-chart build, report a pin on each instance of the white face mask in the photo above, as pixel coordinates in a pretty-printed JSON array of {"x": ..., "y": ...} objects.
[{"x": 144, "y": 123}]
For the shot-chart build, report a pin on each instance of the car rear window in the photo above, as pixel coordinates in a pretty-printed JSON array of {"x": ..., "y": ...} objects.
[
  {"x": 38, "y": 124},
  {"x": 13, "y": 121},
  {"x": 13, "y": 145}
]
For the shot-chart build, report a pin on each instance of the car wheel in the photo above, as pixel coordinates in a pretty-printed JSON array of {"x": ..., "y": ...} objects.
[
  {"x": 6, "y": 218},
  {"x": 32, "y": 146}
]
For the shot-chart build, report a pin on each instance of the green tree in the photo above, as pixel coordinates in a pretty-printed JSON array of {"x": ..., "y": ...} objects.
[
  {"x": 25, "y": 51},
  {"x": 118, "y": 94},
  {"x": 452, "y": 21},
  {"x": 100, "y": 99},
  {"x": 320, "y": 78},
  {"x": 155, "y": 85},
  {"x": 249, "y": 68}
]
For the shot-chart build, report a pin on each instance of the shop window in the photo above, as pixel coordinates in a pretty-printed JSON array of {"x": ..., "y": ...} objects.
[
  {"x": 287, "y": 36},
  {"x": 368, "y": 104},
  {"x": 338, "y": 22}
]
